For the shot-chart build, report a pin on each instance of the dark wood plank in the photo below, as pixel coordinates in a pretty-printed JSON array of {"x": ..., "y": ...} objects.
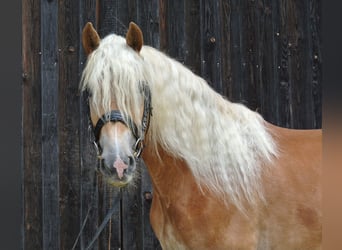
[
  {"x": 226, "y": 48},
  {"x": 284, "y": 73},
  {"x": 236, "y": 63},
  {"x": 32, "y": 127},
  {"x": 314, "y": 22},
  {"x": 244, "y": 53},
  {"x": 211, "y": 43},
  {"x": 249, "y": 49},
  {"x": 268, "y": 47},
  {"x": 112, "y": 17},
  {"x": 68, "y": 122},
  {"x": 192, "y": 36},
  {"x": 163, "y": 25},
  {"x": 273, "y": 62},
  {"x": 89, "y": 183},
  {"x": 109, "y": 198},
  {"x": 308, "y": 59},
  {"x": 175, "y": 30},
  {"x": 50, "y": 149},
  {"x": 296, "y": 61},
  {"x": 131, "y": 216},
  {"x": 148, "y": 20}
]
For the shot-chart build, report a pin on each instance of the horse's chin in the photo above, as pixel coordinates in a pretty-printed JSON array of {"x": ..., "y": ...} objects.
[{"x": 115, "y": 182}]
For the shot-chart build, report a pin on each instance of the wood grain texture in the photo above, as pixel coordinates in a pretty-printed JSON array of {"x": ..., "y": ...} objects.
[
  {"x": 210, "y": 43},
  {"x": 32, "y": 126},
  {"x": 50, "y": 148},
  {"x": 88, "y": 179},
  {"x": 68, "y": 122}
]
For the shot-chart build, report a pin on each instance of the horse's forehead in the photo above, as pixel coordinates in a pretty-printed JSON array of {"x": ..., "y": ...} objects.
[
  {"x": 113, "y": 42},
  {"x": 112, "y": 38}
]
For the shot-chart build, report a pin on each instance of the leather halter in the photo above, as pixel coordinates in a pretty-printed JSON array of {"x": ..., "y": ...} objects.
[{"x": 116, "y": 116}]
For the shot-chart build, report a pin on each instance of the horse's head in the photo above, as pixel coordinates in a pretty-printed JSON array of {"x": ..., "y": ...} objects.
[{"x": 119, "y": 100}]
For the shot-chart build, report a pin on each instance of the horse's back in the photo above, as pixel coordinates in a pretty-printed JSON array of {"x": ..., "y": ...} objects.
[{"x": 292, "y": 219}]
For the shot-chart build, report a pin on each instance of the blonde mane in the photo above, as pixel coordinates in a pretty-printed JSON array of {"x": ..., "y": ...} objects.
[{"x": 224, "y": 144}]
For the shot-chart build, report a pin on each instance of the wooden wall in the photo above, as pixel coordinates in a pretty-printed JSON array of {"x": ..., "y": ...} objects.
[{"x": 265, "y": 54}]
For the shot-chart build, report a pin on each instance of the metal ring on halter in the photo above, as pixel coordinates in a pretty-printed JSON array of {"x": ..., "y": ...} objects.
[{"x": 138, "y": 147}]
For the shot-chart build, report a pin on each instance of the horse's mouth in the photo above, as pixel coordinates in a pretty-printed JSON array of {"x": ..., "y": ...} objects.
[
  {"x": 119, "y": 175},
  {"x": 116, "y": 182}
]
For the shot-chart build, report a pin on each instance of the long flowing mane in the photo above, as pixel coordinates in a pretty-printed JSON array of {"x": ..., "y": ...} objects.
[{"x": 223, "y": 143}]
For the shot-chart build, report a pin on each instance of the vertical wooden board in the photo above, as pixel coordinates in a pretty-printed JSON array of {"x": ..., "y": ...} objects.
[
  {"x": 306, "y": 107},
  {"x": 269, "y": 40},
  {"x": 226, "y": 48},
  {"x": 192, "y": 33},
  {"x": 110, "y": 238},
  {"x": 175, "y": 30},
  {"x": 274, "y": 99},
  {"x": 239, "y": 51},
  {"x": 149, "y": 239},
  {"x": 68, "y": 122},
  {"x": 163, "y": 25},
  {"x": 31, "y": 127},
  {"x": 235, "y": 50},
  {"x": 252, "y": 42},
  {"x": 210, "y": 43},
  {"x": 148, "y": 20},
  {"x": 111, "y": 235},
  {"x": 283, "y": 66},
  {"x": 132, "y": 12},
  {"x": 89, "y": 185},
  {"x": 116, "y": 237},
  {"x": 296, "y": 45},
  {"x": 171, "y": 28},
  {"x": 49, "y": 93},
  {"x": 257, "y": 24},
  {"x": 249, "y": 39},
  {"x": 113, "y": 17},
  {"x": 312, "y": 65},
  {"x": 131, "y": 216},
  {"x": 314, "y": 33}
]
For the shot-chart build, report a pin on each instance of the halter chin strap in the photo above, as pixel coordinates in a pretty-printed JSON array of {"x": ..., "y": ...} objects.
[{"x": 116, "y": 116}]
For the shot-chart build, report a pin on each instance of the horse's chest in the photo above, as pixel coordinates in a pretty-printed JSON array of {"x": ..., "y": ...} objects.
[
  {"x": 207, "y": 227},
  {"x": 170, "y": 241},
  {"x": 166, "y": 227}
]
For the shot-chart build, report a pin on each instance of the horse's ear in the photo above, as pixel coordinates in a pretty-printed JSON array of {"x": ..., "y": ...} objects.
[
  {"x": 134, "y": 37},
  {"x": 90, "y": 38}
]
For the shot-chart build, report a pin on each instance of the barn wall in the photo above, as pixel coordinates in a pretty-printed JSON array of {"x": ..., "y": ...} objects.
[{"x": 264, "y": 54}]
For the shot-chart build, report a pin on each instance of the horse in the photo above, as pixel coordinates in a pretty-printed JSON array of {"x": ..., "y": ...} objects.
[{"x": 222, "y": 176}]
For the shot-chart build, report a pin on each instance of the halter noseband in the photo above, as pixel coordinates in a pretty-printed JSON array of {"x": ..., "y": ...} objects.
[{"x": 116, "y": 116}]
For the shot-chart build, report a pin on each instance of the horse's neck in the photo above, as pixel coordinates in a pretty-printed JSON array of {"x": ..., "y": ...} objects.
[{"x": 171, "y": 177}]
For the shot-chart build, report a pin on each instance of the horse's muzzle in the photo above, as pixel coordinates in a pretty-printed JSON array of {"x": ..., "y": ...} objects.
[{"x": 118, "y": 172}]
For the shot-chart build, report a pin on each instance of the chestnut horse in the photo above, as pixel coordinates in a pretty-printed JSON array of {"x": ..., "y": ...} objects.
[{"x": 223, "y": 177}]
